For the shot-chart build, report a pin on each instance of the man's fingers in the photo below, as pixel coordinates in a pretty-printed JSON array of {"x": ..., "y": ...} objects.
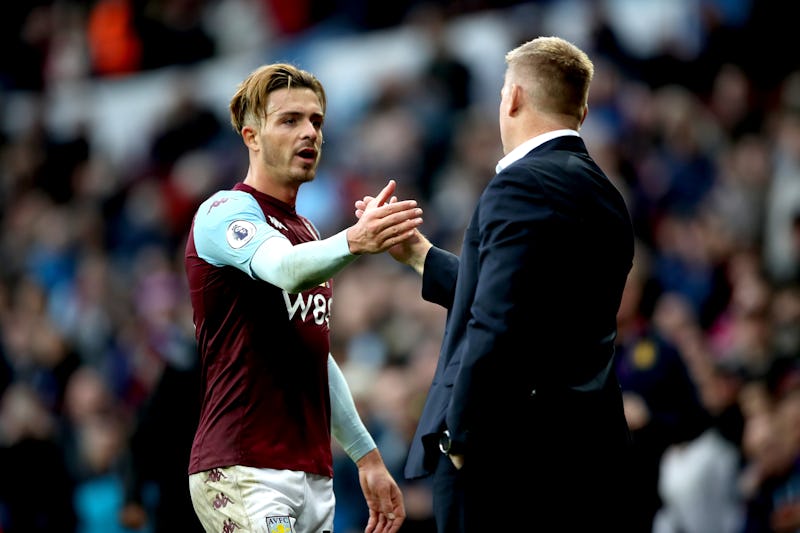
[
  {"x": 389, "y": 215},
  {"x": 385, "y": 193},
  {"x": 388, "y": 210},
  {"x": 397, "y": 217},
  {"x": 400, "y": 225},
  {"x": 362, "y": 204},
  {"x": 397, "y": 239}
]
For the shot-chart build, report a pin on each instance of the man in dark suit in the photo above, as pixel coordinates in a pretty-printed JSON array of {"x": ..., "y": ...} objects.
[{"x": 523, "y": 427}]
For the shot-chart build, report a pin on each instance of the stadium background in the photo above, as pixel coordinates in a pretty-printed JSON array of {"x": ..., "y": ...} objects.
[{"x": 114, "y": 126}]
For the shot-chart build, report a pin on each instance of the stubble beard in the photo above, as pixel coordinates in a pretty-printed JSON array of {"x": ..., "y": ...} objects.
[{"x": 306, "y": 172}]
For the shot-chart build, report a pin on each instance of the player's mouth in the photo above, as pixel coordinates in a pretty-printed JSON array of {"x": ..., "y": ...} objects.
[{"x": 308, "y": 154}]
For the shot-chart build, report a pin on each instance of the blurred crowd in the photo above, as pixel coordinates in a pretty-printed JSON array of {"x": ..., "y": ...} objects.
[{"x": 698, "y": 125}]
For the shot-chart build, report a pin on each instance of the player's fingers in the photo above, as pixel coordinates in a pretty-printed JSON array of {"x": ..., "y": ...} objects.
[
  {"x": 397, "y": 239},
  {"x": 385, "y": 193},
  {"x": 396, "y": 211},
  {"x": 372, "y": 522},
  {"x": 400, "y": 222},
  {"x": 393, "y": 526},
  {"x": 382, "y": 522},
  {"x": 384, "y": 220}
]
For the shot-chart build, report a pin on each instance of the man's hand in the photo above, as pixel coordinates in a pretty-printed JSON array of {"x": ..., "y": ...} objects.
[
  {"x": 383, "y": 223},
  {"x": 384, "y": 499},
  {"x": 411, "y": 250},
  {"x": 457, "y": 460}
]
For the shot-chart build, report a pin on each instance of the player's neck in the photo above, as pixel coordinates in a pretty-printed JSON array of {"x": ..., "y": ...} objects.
[{"x": 284, "y": 191}]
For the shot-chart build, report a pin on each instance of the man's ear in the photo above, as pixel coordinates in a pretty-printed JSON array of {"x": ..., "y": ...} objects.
[
  {"x": 250, "y": 137},
  {"x": 516, "y": 96},
  {"x": 585, "y": 112}
]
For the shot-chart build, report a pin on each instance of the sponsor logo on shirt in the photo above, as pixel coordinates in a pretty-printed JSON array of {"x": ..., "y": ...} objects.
[
  {"x": 307, "y": 305},
  {"x": 239, "y": 233}
]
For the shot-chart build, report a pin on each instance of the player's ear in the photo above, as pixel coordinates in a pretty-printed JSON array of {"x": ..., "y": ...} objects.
[{"x": 250, "y": 138}]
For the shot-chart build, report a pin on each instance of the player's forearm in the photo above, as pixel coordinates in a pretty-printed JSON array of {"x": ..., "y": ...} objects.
[
  {"x": 346, "y": 425},
  {"x": 295, "y": 268}
]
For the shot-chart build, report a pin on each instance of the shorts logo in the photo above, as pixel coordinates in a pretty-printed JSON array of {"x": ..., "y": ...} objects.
[
  {"x": 279, "y": 524},
  {"x": 239, "y": 233},
  {"x": 215, "y": 475},
  {"x": 221, "y": 500}
]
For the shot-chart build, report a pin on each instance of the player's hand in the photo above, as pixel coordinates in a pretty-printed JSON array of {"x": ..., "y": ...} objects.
[
  {"x": 387, "y": 511},
  {"x": 383, "y": 222},
  {"x": 410, "y": 251}
]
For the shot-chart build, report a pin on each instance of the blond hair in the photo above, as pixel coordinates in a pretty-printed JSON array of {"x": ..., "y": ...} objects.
[
  {"x": 554, "y": 72},
  {"x": 248, "y": 105}
]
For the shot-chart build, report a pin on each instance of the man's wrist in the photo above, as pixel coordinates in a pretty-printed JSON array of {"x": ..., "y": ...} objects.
[{"x": 417, "y": 260}]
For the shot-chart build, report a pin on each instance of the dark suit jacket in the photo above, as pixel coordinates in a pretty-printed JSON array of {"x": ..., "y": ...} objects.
[{"x": 526, "y": 361}]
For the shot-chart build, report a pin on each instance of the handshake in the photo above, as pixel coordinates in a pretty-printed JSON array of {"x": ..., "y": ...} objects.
[{"x": 386, "y": 223}]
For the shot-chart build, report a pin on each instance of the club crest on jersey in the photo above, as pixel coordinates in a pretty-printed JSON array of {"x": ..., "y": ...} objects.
[
  {"x": 239, "y": 233},
  {"x": 274, "y": 222},
  {"x": 279, "y": 524}
]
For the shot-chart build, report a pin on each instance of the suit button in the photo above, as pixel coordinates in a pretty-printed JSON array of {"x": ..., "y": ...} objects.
[{"x": 533, "y": 393}]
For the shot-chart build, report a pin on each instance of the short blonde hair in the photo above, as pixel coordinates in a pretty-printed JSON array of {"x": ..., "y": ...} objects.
[
  {"x": 555, "y": 73},
  {"x": 248, "y": 105}
]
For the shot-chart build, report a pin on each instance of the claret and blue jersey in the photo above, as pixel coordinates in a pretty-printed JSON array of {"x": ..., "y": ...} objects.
[{"x": 267, "y": 403}]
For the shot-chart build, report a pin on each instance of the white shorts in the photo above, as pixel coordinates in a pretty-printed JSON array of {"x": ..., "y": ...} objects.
[{"x": 242, "y": 499}]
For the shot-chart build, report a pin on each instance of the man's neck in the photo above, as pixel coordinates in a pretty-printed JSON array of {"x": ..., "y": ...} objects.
[{"x": 285, "y": 192}]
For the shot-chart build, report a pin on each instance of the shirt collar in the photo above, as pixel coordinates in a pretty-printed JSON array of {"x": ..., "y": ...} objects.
[{"x": 529, "y": 145}]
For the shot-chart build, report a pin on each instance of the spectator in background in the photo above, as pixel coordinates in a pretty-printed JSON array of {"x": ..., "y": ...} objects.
[
  {"x": 526, "y": 364},
  {"x": 771, "y": 476},
  {"x": 698, "y": 478},
  {"x": 159, "y": 454},
  {"x": 661, "y": 402},
  {"x": 38, "y": 496},
  {"x": 260, "y": 283},
  {"x": 93, "y": 432},
  {"x": 446, "y": 94}
]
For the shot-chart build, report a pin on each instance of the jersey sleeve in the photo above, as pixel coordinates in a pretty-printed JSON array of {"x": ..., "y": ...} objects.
[
  {"x": 228, "y": 229},
  {"x": 346, "y": 425}
]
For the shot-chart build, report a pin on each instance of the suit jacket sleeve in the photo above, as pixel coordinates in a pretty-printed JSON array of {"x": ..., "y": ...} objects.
[{"x": 439, "y": 277}]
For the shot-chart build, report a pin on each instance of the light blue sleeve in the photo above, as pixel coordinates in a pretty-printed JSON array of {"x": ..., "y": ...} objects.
[
  {"x": 228, "y": 229},
  {"x": 346, "y": 426}
]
